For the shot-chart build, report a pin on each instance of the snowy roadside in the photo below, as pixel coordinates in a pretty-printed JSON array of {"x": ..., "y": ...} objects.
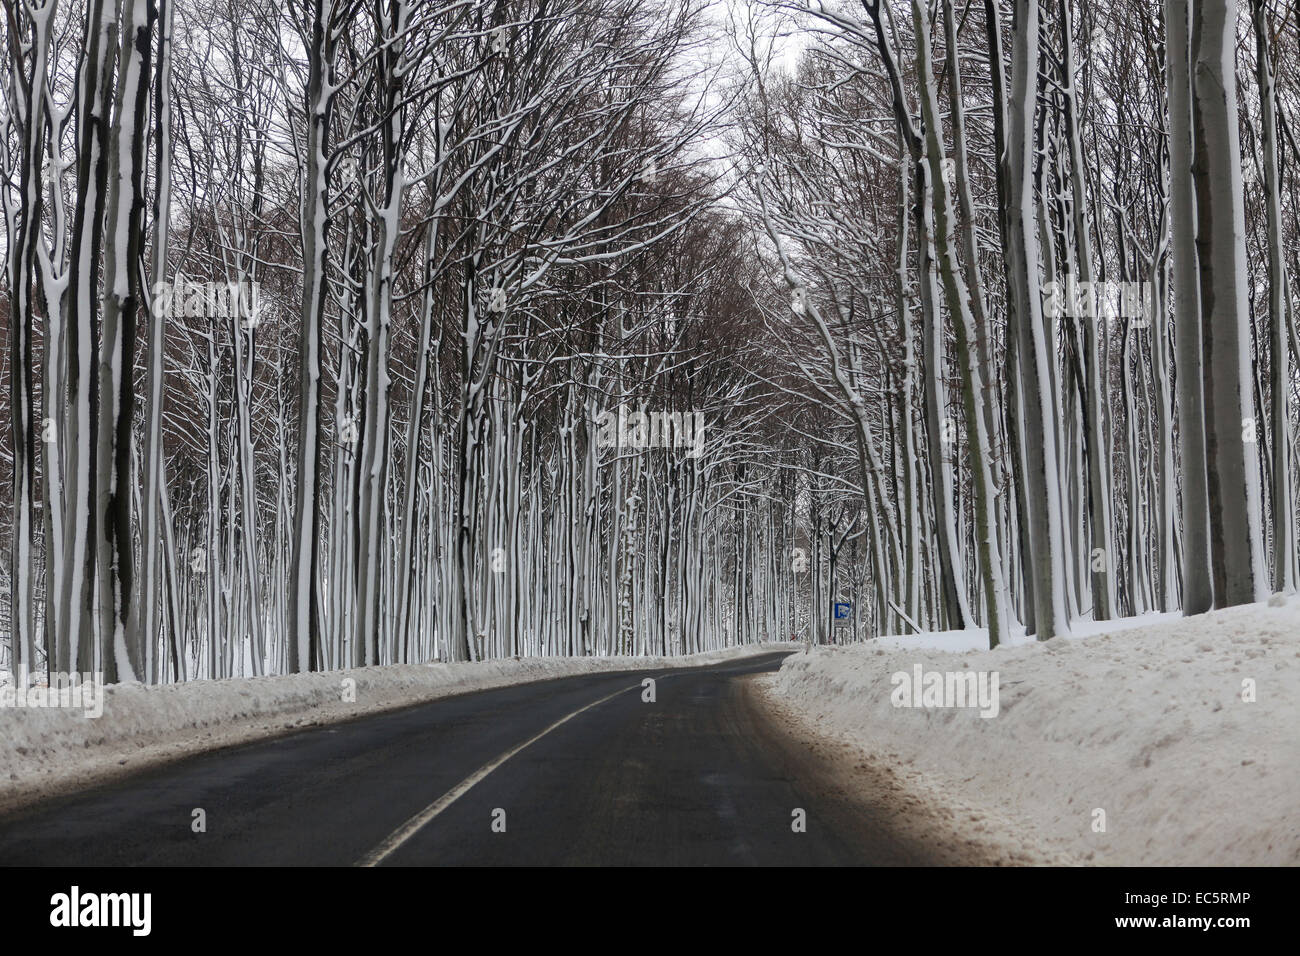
[
  {"x": 52, "y": 750},
  {"x": 1149, "y": 724}
]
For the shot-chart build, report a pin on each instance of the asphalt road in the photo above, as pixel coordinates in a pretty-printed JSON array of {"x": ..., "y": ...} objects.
[{"x": 701, "y": 776}]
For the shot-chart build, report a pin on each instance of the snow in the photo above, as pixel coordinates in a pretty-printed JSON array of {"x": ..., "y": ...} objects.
[
  {"x": 977, "y": 638},
  {"x": 49, "y": 751},
  {"x": 1145, "y": 721}
]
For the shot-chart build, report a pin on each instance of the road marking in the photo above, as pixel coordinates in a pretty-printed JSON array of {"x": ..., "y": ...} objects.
[{"x": 422, "y": 819}]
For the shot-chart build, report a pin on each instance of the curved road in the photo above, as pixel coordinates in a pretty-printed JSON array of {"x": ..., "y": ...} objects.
[{"x": 701, "y": 776}]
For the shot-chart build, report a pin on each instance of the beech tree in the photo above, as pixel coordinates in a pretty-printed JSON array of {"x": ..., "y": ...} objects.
[{"x": 344, "y": 335}]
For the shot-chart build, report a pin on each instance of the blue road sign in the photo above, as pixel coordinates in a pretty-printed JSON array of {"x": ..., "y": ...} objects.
[{"x": 843, "y": 610}]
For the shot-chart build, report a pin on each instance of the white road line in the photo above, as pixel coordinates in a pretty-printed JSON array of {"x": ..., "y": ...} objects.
[{"x": 421, "y": 819}]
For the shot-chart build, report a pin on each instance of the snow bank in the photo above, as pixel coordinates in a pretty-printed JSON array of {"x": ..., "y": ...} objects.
[
  {"x": 1148, "y": 724},
  {"x": 977, "y": 638},
  {"x": 47, "y": 751}
]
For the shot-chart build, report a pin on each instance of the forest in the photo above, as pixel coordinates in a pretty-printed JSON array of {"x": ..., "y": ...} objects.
[{"x": 341, "y": 334}]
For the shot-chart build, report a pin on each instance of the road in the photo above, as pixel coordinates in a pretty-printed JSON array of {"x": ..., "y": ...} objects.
[{"x": 576, "y": 771}]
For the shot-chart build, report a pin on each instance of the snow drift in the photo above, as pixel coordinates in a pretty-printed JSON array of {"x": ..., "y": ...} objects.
[{"x": 1154, "y": 725}]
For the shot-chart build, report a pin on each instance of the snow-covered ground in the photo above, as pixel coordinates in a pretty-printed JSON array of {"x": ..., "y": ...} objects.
[
  {"x": 46, "y": 751},
  {"x": 977, "y": 638},
  {"x": 1152, "y": 724}
]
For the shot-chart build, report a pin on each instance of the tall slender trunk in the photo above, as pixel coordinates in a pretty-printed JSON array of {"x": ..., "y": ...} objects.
[
  {"x": 94, "y": 106},
  {"x": 1198, "y": 587},
  {"x": 1279, "y": 316},
  {"x": 303, "y": 642},
  {"x": 1034, "y": 358},
  {"x": 145, "y": 611},
  {"x": 1236, "y": 542}
]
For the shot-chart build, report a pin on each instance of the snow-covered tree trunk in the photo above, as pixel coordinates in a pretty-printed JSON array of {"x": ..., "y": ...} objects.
[
  {"x": 1237, "y": 559},
  {"x": 958, "y": 298},
  {"x": 145, "y": 611},
  {"x": 1198, "y": 588},
  {"x": 303, "y": 641},
  {"x": 1034, "y": 357},
  {"x": 1099, "y": 498},
  {"x": 1280, "y": 318},
  {"x": 27, "y": 114}
]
